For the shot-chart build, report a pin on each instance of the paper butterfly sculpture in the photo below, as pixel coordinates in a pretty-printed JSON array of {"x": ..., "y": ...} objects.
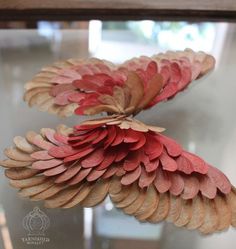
[{"x": 145, "y": 173}]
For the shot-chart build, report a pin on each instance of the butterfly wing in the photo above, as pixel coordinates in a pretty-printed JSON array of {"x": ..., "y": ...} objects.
[
  {"x": 53, "y": 89},
  {"x": 89, "y": 87},
  {"x": 178, "y": 69},
  {"x": 145, "y": 173},
  {"x": 199, "y": 212}
]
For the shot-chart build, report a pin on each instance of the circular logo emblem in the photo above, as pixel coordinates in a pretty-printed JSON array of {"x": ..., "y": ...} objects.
[{"x": 36, "y": 222}]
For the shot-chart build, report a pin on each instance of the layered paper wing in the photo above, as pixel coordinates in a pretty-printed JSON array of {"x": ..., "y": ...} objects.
[
  {"x": 145, "y": 173},
  {"x": 198, "y": 212},
  {"x": 87, "y": 87}
]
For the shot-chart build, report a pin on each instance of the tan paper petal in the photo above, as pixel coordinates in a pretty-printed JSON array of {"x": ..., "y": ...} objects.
[
  {"x": 97, "y": 194},
  {"x": 17, "y": 155},
  {"x": 162, "y": 209},
  {"x": 149, "y": 205},
  {"x": 211, "y": 220}
]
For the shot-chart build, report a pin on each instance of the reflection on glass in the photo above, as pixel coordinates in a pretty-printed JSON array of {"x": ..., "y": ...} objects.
[
  {"x": 150, "y": 37},
  {"x": 5, "y": 235},
  {"x": 88, "y": 227},
  {"x": 112, "y": 224}
]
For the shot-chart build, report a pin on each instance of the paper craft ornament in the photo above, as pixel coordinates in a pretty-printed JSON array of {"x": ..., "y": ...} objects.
[{"x": 145, "y": 173}]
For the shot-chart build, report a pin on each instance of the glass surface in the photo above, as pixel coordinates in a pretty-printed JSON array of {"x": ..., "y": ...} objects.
[{"x": 202, "y": 119}]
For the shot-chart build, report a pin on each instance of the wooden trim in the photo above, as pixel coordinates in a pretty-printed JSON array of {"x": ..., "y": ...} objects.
[
  {"x": 60, "y": 10},
  {"x": 116, "y": 15},
  {"x": 120, "y": 4}
]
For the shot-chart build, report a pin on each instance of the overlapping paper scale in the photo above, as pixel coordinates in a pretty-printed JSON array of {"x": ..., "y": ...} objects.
[
  {"x": 92, "y": 86},
  {"x": 145, "y": 173},
  {"x": 201, "y": 213}
]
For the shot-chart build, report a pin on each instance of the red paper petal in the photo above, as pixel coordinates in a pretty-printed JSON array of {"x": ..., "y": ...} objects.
[
  {"x": 38, "y": 141},
  {"x": 93, "y": 159},
  {"x": 175, "y": 72},
  {"x": 110, "y": 136},
  {"x": 131, "y": 177},
  {"x": 86, "y": 127},
  {"x": 173, "y": 148},
  {"x": 76, "y": 97},
  {"x": 143, "y": 157},
  {"x": 80, "y": 176},
  {"x": 198, "y": 164},
  {"x": 62, "y": 98},
  {"x": 168, "y": 91},
  {"x": 93, "y": 135},
  {"x": 109, "y": 158},
  {"x": 131, "y": 136},
  {"x": 61, "y": 151},
  {"x": 95, "y": 174},
  {"x": 41, "y": 155},
  {"x": 46, "y": 164},
  {"x": 57, "y": 89},
  {"x": 98, "y": 79},
  {"x": 219, "y": 179},
  {"x": 184, "y": 165},
  {"x": 153, "y": 148},
  {"x": 162, "y": 181},
  {"x": 77, "y": 136},
  {"x": 61, "y": 138},
  {"x": 151, "y": 69},
  {"x": 71, "y": 172},
  {"x": 79, "y": 155},
  {"x": 110, "y": 172},
  {"x": 191, "y": 187},
  {"x": 165, "y": 72},
  {"x": 146, "y": 178},
  {"x": 132, "y": 161},
  {"x": 100, "y": 137},
  {"x": 85, "y": 85},
  {"x": 177, "y": 184},
  {"x": 168, "y": 163},
  {"x": 151, "y": 144},
  {"x": 50, "y": 136},
  {"x": 186, "y": 78},
  {"x": 121, "y": 153},
  {"x": 139, "y": 144},
  {"x": 55, "y": 171},
  {"x": 207, "y": 187},
  {"x": 120, "y": 134},
  {"x": 152, "y": 165}
]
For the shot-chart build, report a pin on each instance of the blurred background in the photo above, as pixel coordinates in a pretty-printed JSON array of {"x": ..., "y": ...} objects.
[
  {"x": 99, "y": 38},
  {"x": 202, "y": 119}
]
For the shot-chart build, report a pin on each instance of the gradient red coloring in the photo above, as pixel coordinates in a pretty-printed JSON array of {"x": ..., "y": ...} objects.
[
  {"x": 92, "y": 86},
  {"x": 145, "y": 173},
  {"x": 101, "y": 151}
]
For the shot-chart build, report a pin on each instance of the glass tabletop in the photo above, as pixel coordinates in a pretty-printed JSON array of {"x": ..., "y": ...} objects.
[{"x": 201, "y": 118}]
